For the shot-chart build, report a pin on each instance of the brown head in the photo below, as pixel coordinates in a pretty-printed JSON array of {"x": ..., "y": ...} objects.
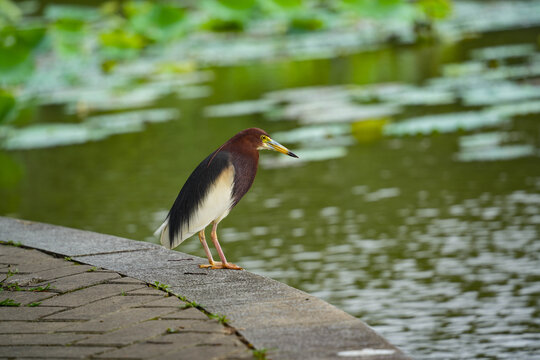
[{"x": 253, "y": 139}]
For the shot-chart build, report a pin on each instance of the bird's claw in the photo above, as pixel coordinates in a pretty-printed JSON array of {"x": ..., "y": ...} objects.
[{"x": 220, "y": 265}]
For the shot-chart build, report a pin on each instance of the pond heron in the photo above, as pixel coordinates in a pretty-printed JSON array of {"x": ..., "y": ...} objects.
[{"x": 215, "y": 186}]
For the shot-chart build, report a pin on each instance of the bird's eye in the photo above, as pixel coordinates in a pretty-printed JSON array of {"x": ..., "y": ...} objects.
[{"x": 264, "y": 138}]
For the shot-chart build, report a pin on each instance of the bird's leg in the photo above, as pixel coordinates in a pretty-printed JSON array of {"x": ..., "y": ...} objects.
[
  {"x": 211, "y": 261},
  {"x": 224, "y": 264}
]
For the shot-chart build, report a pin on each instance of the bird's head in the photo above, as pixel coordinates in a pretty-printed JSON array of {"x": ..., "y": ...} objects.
[{"x": 257, "y": 139}]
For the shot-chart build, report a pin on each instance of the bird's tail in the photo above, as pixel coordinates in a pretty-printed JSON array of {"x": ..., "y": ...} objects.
[{"x": 163, "y": 233}]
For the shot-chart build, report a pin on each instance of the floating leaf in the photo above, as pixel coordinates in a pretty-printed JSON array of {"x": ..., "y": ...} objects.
[
  {"x": 507, "y": 152},
  {"x": 93, "y": 129},
  {"x": 240, "y": 108},
  {"x": 514, "y": 109},
  {"x": 73, "y": 12},
  {"x": 444, "y": 123},
  {"x": 498, "y": 92},
  {"x": 350, "y": 113},
  {"x": 307, "y": 134},
  {"x": 503, "y": 52}
]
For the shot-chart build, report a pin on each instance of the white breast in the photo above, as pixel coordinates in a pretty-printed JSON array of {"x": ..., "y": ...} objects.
[{"x": 214, "y": 207}]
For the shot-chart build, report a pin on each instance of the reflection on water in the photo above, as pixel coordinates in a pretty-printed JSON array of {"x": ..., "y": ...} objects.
[{"x": 416, "y": 206}]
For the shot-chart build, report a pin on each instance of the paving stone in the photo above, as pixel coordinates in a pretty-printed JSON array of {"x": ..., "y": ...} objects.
[
  {"x": 206, "y": 352},
  {"x": 169, "y": 301},
  {"x": 26, "y": 297},
  {"x": 97, "y": 308},
  {"x": 41, "y": 339},
  {"x": 146, "y": 291},
  {"x": 28, "y": 268},
  {"x": 170, "y": 343},
  {"x": 26, "y": 313},
  {"x": 33, "y": 278},
  {"x": 150, "y": 329},
  {"x": 117, "y": 320},
  {"x": 42, "y": 352},
  {"x": 30, "y": 327},
  {"x": 127, "y": 280},
  {"x": 90, "y": 294},
  {"x": 78, "y": 281},
  {"x": 189, "y": 313}
]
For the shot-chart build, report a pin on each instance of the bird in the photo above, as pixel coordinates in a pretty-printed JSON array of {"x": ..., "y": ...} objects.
[{"x": 215, "y": 187}]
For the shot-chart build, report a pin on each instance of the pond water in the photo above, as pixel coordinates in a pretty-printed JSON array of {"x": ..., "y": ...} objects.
[{"x": 415, "y": 204}]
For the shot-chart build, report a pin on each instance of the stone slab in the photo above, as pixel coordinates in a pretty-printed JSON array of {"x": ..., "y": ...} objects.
[
  {"x": 30, "y": 327},
  {"x": 29, "y": 279},
  {"x": 26, "y": 297},
  {"x": 117, "y": 320},
  {"x": 27, "y": 313},
  {"x": 41, "y": 339},
  {"x": 65, "y": 241},
  {"x": 91, "y": 294},
  {"x": 79, "y": 281},
  {"x": 97, "y": 308},
  {"x": 39, "y": 352},
  {"x": 148, "y": 330},
  {"x": 172, "y": 343}
]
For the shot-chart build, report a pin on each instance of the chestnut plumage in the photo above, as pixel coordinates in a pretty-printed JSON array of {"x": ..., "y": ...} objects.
[{"x": 215, "y": 186}]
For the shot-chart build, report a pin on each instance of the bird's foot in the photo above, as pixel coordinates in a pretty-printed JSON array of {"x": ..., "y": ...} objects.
[
  {"x": 220, "y": 265},
  {"x": 211, "y": 265}
]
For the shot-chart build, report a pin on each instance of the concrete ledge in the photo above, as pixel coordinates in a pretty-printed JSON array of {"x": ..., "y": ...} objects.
[{"x": 288, "y": 322}]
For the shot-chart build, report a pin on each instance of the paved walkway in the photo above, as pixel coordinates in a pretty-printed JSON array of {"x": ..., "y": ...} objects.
[{"x": 55, "y": 308}]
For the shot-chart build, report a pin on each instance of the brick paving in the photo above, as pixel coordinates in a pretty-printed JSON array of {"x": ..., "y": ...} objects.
[{"x": 68, "y": 310}]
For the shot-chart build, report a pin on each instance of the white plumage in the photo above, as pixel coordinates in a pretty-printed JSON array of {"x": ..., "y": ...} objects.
[{"x": 213, "y": 208}]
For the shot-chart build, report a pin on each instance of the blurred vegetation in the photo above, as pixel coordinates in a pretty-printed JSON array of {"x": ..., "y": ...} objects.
[{"x": 117, "y": 31}]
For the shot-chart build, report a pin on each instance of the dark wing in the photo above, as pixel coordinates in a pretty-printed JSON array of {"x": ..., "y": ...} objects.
[{"x": 195, "y": 190}]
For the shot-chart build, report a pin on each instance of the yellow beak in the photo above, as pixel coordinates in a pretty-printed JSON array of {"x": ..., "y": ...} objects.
[{"x": 274, "y": 145}]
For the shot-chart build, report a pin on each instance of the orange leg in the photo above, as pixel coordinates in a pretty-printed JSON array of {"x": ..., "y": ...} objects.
[
  {"x": 211, "y": 261},
  {"x": 224, "y": 264}
]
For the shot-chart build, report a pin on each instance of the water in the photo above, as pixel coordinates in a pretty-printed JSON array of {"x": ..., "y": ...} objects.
[{"x": 432, "y": 239}]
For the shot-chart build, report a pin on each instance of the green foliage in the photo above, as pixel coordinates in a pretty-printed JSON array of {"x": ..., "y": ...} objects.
[
  {"x": 15, "y": 287},
  {"x": 260, "y": 354},
  {"x": 39, "y": 288},
  {"x": 17, "y": 46},
  {"x": 160, "y": 286},
  {"x": 11, "y": 243},
  {"x": 10, "y": 272},
  {"x": 7, "y": 104},
  {"x": 34, "y": 304},
  {"x": 9, "y": 13},
  {"x": 222, "y": 319},
  {"x": 435, "y": 9},
  {"x": 156, "y": 21},
  {"x": 192, "y": 304},
  {"x": 9, "y": 302}
]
